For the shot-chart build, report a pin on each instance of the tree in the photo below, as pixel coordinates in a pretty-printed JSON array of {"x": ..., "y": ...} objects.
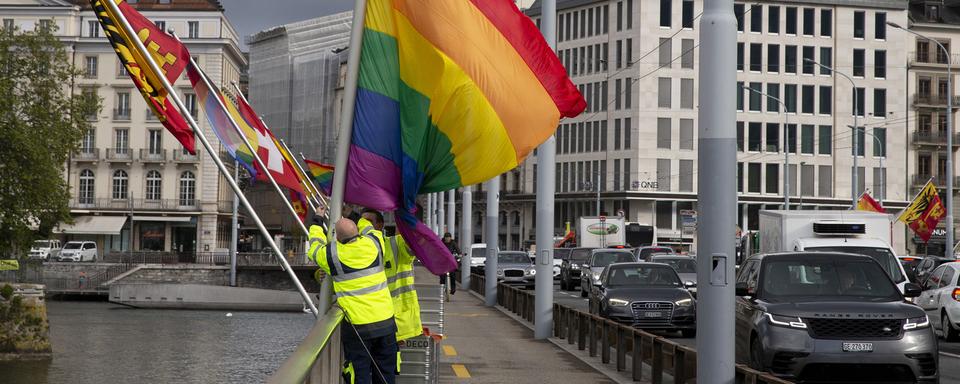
[{"x": 42, "y": 120}]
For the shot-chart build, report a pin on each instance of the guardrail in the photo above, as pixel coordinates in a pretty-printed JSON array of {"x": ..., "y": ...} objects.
[
  {"x": 615, "y": 341},
  {"x": 316, "y": 359}
]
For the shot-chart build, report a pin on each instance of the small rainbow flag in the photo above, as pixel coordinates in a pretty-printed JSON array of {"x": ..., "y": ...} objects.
[{"x": 322, "y": 174}]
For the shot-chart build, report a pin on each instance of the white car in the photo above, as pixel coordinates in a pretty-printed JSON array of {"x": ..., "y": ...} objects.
[
  {"x": 78, "y": 251},
  {"x": 941, "y": 300},
  {"x": 477, "y": 254},
  {"x": 44, "y": 249}
]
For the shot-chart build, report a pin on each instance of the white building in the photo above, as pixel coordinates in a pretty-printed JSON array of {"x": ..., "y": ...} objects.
[{"x": 129, "y": 166}]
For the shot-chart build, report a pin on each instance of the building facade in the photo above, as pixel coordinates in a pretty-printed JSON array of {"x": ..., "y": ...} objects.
[{"x": 133, "y": 186}]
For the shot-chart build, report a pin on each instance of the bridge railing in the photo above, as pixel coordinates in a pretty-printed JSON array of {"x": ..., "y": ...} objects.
[
  {"x": 616, "y": 342},
  {"x": 316, "y": 359}
]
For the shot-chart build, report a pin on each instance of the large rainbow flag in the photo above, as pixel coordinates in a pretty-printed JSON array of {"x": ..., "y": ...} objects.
[
  {"x": 322, "y": 174},
  {"x": 450, "y": 93}
]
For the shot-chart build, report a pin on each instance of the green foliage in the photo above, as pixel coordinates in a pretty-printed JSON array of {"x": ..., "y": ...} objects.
[
  {"x": 6, "y": 292},
  {"x": 42, "y": 120}
]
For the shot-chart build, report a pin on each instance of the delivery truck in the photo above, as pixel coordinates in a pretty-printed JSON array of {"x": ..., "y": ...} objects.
[{"x": 600, "y": 231}]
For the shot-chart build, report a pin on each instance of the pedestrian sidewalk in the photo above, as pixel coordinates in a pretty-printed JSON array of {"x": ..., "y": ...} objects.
[{"x": 483, "y": 345}]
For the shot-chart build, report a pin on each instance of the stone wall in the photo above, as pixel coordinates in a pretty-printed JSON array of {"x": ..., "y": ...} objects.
[
  {"x": 180, "y": 274},
  {"x": 24, "y": 329},
  {"x": 72, "y": 270},
  {"x": 276, "y": 279}
]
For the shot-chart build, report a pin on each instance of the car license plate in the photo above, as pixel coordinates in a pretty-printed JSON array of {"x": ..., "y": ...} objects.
[
  {"x": 858, "y": 347},
  {"x": 652, "y": 314}
]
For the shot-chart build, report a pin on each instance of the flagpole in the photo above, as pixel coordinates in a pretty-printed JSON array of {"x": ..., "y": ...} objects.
[
  {"x": 313, "y": 183},
  {"x": 346, "y": 131},
  {"x": 172, "y": 93}
]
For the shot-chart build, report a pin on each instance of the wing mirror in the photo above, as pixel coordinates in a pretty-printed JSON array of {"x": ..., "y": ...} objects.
[
  {"x": 742, "y": 289},
  {"x": 911, "y": 290}
]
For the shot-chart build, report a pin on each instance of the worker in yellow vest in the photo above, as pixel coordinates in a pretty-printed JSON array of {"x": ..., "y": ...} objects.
[
  {"x": 356, "y": 265},
  {"x": 398, "y": 266}
]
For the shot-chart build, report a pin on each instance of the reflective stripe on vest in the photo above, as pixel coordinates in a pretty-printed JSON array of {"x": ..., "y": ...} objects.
[
  {"x": 399, "y": 275},
  {"x": 362, "y": 291},
  {"x": 401, "y": 290},
  {"x": 339, "y": 275}
]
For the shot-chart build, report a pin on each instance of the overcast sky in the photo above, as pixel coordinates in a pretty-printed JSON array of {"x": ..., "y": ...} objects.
[{"x": 252, "y": 16}]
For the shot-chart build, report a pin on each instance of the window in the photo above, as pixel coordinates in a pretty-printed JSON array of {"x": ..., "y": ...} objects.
[
  {"x": 188, "y": 189},
  {"x": 154, "y": 144},
  {"x": 773, "y": 178},
  {"x": 790, "y": 97},
  {"x": 90, "y": 67},
  {"x": 858, "y": 62},
  {"x": 826, "y": 99},
  {"x": 663, "y": 175},
  {"x": 880, "y": 103},
  {"x": 46, "y": 24},
  {"x": 773, "y": 137},
  {"x": 603, "y": 136},
  {"x": 740, "y": 136},
  {"x": 628, "y": 93},
  {"x": 89, "y": 141},
  {"x": 190, "y": 99},
  {"x": 122, "y": 70},
  {"x": 687, "y": 15},
  {"x": 738, "y": 10},
  {"x": 120, "y": 184},
  {"x": 806, "y": 99},
  {"x": 686, "y": 134},
  {"x": 686, "y": 93},
  {"x": 773, "y": 19},
  {"x": 665, "y": 52},
  {"x": 826, "y": 58},
  {"x": 686, "y": 58},
  {"x": 807, "y": 60},
  {"x": 630, "y": 14},
  {"x": 740, "y": 56},
  {"x": 860, "y": 137},
  {"x": 627, "y": 130},
  {"x": 686, "y": 175},
  {"x": 93, "y": 28},
  {"x": 880, "y": 26},
  {"x": 808, "y": 21},
  {"x": 806, "y": 139},
  {"x": 162, "y": 25},
  {"x": 755, "y": 139},
  {"x": 859, "y": 105},
  {"x": 790, "y": 59},
  {"x": 8, "y": 24},
  {"x": 773, "y": 58},
  {"x": 629, "y": 60},
  {"x": 616, "y": 134},
  {"x": 626, "y": 174},
  {"x": 617, "y": 87},
  {"x": 85, "y": 190},
  {"x": 791, "y": 140},
  {"x": 880, "y": 64},
  {"x": 756, "y": 18},
  {"x": 121, "y": 140},
  {"x": 590, "y": 22},
  {"x": 753, "y": 177},
  {"x": 879, "y": 185},
  {"x": 740, "y": 91},
  {"x": 193, "y": 29},
  {"x": 858, "y": 24},
  {"x": 791, "y": 27},
  {"x": 880, "y": 143},
  {"x": 153, "y": 185},
  {"x": 932, "y": 12},
  {"x": 826, "y": 23},
  {"x": 825, "y": 181},
  {"x": 123, "y": 106},
  {"x": 825, "y": 146},
  {"x": 663, "y": 133},
  {"x": 755, "y": 97},
  {"x": 773, "y": 92},
  {"x": 665, "y": 13},
  {"x": 806, "y": 180},
  {"x": 756, "y": 57},
  {"x": 923, "y": 51}
]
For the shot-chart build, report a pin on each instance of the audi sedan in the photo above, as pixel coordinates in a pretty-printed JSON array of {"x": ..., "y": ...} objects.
[{"x": 645, "y": 295}]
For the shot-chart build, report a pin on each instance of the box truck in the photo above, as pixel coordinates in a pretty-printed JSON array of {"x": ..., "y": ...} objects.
[{"x": 600, "y": 231}]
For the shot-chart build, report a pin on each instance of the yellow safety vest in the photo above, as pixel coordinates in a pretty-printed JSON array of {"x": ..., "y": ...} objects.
[
  {"x": 399, "y": 270},
  {"x": 359, "y": 281}
]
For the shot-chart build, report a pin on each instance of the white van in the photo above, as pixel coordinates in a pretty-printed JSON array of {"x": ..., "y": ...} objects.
[
  {"x": 44, "y": 250},
  {"x": 78, "y": 251}
]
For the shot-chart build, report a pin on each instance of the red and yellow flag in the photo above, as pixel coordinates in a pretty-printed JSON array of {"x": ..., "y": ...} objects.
[
  {"x": 923, "y": 214},
  {"x": 299, "y": 203},
  {"x": 867, "y": 203},
  {"x": 168, "y": 53}
]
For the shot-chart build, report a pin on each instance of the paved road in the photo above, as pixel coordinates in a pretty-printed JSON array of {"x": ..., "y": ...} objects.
[{"x": 949, "y": 352}]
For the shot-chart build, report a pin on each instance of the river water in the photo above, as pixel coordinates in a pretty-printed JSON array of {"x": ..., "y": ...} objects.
[{"x": 98, "y": 342}]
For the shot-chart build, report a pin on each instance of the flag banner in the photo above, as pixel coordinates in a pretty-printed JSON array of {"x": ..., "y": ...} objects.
[
  {"x": 299, "y": 202},
  {"x": 867, "y": 203},
  {"x": 322, "y": 174},
  {"x": 9, "y": 265},
  {"x": 168, "y": 53},
  {"x": 434, "y": 112},
  {"x": 925, "y": 212},
  {"x": 269, "y": 148}
]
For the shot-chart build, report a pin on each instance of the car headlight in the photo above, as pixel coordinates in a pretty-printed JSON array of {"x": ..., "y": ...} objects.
[
  {"x": 916, "y": 323},
  {"x": 786, "y": 321},
  {"x": 531, "y": 272},
  {"x": 499, "y": 272},
  {"x": 684, "y": 302},
  {"x": 617, "y": 302}
]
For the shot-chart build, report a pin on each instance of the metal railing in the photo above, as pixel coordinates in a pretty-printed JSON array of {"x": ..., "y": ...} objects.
[
  {"x": 153, "y": 155},
  {"x": 316, "y": 359},
  {"x": 86, "y": 154},
  {"x": 616, "y": 342},
  {"x": 119, "y": 154},
  {"x": 933, "y": 100},
  {"x": 183, "y": 157},
  {"x": 932, "y": 58},
  {"x": 151, "y": 116},
  {"x": 138, "y": 204},
  {"x": 121, "y": 114}
]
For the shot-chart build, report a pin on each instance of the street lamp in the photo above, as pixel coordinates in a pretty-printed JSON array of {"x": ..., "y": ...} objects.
[
  {"x": 786, "y": 146},
  {"x": 855, "y": 183},
  {"x": 949, "y": 248}
]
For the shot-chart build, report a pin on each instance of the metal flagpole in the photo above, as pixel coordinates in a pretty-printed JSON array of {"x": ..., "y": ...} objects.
[
  {"x": 452, "y": 212},
  {"x": 717, "y": 157},
  {"x": 546, "y": 163},
  {"x": 492, "y": 238},
  {"x": 441, "y": 215},
  {"x": 318, "y": 195},
  {"x": 429, "y": 215},
  {"x": 234, "y": 229},
  {"x": 172, "y": 93},
  {"x": 466, "y": 236},
  {"x": 343, "y": 137}
]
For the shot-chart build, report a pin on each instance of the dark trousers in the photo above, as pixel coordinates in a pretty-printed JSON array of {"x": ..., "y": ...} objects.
[
  {"x": 382, "y": 349},
  {"x": 450, "y": 277}
]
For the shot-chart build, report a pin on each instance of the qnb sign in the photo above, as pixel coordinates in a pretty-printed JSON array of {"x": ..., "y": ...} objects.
[{"x": 646, "y": 184}]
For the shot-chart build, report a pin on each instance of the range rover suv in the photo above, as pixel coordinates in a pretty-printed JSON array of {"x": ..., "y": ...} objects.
[{"x": 831, "y": 317}]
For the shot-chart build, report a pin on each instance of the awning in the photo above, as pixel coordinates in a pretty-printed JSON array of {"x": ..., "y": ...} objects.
[
  {"x": 94, "y": 225},
  {"x": 162, "y": 218}
]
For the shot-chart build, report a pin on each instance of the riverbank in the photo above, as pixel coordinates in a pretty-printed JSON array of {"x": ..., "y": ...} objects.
[{"x": 24, "y": 331}]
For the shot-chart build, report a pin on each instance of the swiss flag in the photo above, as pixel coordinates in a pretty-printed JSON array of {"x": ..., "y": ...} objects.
[{"x": 268, "y": 149}]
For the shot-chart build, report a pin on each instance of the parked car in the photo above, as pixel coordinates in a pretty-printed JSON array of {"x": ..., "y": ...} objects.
[
  {"x": 478, "y": 252},
  {"x": 910, "y": 264},
  {"x": 644, "y": 253},
  {"x": 559, "y": 255},
  {"x": 685, "y": 266},
  {"x": 941, "y": 300},
  {"x": 78, "y": 251},
  {"x": 928, "y": 265},
  {"x": 831, "y": 317},
  {"x": 570, "y": 268},
  {"x": 45, "y": 250},
  {"x": 600, "y": 259},
  {"x": 515, "y": 268},
  {"x": 645, "y": 295}
]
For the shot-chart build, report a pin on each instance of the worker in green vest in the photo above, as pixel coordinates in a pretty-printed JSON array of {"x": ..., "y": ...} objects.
[{"x": 355, "y": 263}]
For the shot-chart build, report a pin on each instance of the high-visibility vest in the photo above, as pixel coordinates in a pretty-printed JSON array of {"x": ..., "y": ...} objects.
[
  {"x": 359, "y": 281},
  {"x": 399, "y": 270}
]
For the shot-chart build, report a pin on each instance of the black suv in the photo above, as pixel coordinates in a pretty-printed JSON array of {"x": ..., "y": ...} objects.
[
  {"x": 831, "y": 317},
  {"x": 570, "y": 268}
]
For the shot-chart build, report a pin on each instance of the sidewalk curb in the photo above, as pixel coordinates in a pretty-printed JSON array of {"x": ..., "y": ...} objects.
[{"x": 597, "y": 366}]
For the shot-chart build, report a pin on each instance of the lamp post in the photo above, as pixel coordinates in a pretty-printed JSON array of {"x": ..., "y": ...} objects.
[
  {"x": 786, "y": 146},
  {"x": 800, "y": 190},
  {"x": 854, "y": 186},
  {"x": 949, "y": 248}
]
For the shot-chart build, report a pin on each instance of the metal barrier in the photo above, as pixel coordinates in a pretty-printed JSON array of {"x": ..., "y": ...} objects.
[
  {"x": 316, "y": 359},
  {"x": 420, "y": 356},
  {"x": 614, "y": 341}
]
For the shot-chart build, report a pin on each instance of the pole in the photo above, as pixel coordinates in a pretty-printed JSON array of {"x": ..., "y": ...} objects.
[
  {"x": 318, "y": 195},
  {"x": 344, "y": 136},
  {"x": 546, "y": 190},
  {"x": 717, "y": 155},
  {"x": 854, "y": 193},
  {"x": 492, "y": 238},
  {"x": 430, "y": 212},
  {"x": 441, "y": 215},
  {"x": 452, "y": 212},
  {"x": 596, "y": 185},
  {"x": 466, "y": 236},
  {"x": 233, "y": 229},
  {"x": 175, "y": 98},
  {"x": 130, "y": 237}
]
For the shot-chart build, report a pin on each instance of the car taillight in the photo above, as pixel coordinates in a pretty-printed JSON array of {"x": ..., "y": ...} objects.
[{"x": 956, "y": 294}]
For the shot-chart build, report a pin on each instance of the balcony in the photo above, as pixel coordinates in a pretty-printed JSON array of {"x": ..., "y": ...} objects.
[
  {"x": 119, "y": 154},
  {"x": 938, "y": 139},
  {"x": 927, "y": 100},
  {"x": 180, "y": 156},
  {"x": 153, "y": 156},
  {"x": 932, "y": 58},
  {"x": 919, "y": 180},
  {"x": 86, "y": 155},
  {"x": 121, "y": 114},
  {"x": 107, "y": 204}
]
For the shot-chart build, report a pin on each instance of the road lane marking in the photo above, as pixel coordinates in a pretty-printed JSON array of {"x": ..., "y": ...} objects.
[
  {"x": 449, "y": 350},
  {"x": 947, "y": 354},
  {"x": 461, "y": 371}
]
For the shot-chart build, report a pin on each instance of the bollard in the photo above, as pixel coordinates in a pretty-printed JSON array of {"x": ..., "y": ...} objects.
[
  {"x": 570, "y": 326},
  {"x": 621, "y": 348},
  {"x": 679, "y": 365},
  {"x": 581, "y": 330},
  {"x": 605, "y": 342},
  {"x": 637, "y": 355},
  {"x": 657, "y": 364},
  {"x": 591, "y": 322}
]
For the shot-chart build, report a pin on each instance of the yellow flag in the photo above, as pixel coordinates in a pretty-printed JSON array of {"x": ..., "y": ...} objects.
[{"x": 9, "y": 265}]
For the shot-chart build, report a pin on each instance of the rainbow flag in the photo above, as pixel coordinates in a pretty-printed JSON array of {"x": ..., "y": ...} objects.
[
  {"x": 322, "y": 174},
  {"x": 450, "y": 93}
]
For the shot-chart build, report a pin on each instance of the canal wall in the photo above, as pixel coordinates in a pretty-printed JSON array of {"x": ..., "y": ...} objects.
[
  {"x": 247, "y": 277},
  {"x": 24, "y": 329}
]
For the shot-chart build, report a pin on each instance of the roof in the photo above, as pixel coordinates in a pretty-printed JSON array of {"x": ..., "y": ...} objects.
[
  {"x": 810, "y": 256},
  {"x": 535, "y": 8},
  {"x": 832, "y": 241},
  {"x": 949, "y": 13}
]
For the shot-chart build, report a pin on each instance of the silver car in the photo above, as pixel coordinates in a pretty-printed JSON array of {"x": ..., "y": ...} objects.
[
  {"x": 600, "y": 259},
  {"x": 940, "y": 300},
  {"x": 685, "y": 266},
  {"x": 515, "y": 268}
]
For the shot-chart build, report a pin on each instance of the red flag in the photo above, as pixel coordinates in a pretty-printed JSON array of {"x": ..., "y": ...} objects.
[
  {"x": 299, "y": 202},
  {"x": 270, "y": 151},
  {"x": 867, "y": 203},
  {"x": 925, "y": 212}
]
